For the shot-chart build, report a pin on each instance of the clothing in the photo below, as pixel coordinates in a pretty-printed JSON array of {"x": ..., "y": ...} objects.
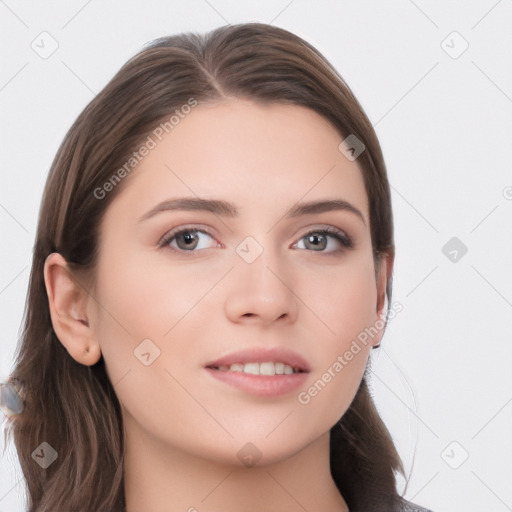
[{"x": 412, "y": 507}]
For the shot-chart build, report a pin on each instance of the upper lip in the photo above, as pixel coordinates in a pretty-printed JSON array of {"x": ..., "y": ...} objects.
[{"x": 262, "y": 355}]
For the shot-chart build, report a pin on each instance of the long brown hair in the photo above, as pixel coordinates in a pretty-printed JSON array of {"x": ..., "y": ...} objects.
[{"x": 73, "y": 407}]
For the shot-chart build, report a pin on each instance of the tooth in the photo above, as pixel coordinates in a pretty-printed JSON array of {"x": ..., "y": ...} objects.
[
  {"x": 279, "y": 368},
  {"x": 288, "y": 370},
  {"x": 253, "y": 368},
  {"x": 267, "y": 368}
]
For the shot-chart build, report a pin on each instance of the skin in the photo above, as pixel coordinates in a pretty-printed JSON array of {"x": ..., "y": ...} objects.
[{"x": 184, "y": 428}]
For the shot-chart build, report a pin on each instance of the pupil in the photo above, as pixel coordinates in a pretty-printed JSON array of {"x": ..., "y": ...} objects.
[
  {"x": 189, "y": 239},
  {"x": 312, "y": 238}
]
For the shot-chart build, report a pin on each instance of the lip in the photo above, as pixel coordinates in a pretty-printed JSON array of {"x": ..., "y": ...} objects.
[
  {"x": 261, "y": 385},
  {"x": 261, "y": 355}
]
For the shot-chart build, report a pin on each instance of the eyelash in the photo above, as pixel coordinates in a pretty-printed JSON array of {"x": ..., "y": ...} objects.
[{"x": 340, "y": 236}]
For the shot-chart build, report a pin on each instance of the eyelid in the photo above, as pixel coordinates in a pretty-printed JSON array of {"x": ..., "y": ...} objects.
[
  {"x": 341, "y": 235},
  {"x": 185, "y": 227},
  {"x": 324, "y": 227}
]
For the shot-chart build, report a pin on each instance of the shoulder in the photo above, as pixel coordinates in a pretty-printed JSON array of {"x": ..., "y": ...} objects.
[{"x": 407, "y": 506}]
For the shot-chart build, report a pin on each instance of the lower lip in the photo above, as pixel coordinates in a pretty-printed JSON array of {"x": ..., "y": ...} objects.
[{"x": 261, "y": 385}]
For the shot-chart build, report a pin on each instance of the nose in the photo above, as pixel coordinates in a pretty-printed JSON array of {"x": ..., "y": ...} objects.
[{"x": 261, "y": 292}]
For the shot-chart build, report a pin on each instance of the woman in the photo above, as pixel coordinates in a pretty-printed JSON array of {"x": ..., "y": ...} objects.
[{"x": 211, "y": 267}]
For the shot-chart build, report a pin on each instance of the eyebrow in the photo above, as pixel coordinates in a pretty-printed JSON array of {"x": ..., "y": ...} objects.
[{"x": 226, "y": 209}]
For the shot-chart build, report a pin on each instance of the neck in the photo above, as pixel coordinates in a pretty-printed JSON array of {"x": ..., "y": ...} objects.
[{"x": 158, "y": 477}]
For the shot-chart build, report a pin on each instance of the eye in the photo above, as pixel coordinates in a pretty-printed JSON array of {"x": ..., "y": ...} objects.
[
  {"x": 189, "y": 239},
  {"x": 318, "y": 240},
  {"x": 186, "y": 240}
]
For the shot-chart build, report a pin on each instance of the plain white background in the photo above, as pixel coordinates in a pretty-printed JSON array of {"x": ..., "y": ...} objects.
[{"x": 435, "y": 79}]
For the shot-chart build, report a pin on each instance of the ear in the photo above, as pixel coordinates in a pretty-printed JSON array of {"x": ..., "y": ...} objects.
[
  {"x": 384, "y": 273},
  {"x": 68, "y": 302}
]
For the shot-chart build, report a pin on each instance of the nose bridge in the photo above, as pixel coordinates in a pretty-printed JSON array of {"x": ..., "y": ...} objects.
[
  {"x": 262, "y": 271},
  {"x": 262, "y": 286}
]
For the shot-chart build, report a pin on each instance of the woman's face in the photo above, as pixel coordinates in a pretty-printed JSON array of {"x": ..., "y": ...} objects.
[{"x": 242, "y": 284}]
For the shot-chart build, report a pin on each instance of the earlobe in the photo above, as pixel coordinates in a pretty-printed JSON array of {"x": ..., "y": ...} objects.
[
  {"x": 383, "y": 276},
  {"x": 67, "y": 301}
]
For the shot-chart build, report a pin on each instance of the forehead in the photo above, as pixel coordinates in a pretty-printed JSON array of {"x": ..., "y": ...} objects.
[{"x": 248, "y": 153}]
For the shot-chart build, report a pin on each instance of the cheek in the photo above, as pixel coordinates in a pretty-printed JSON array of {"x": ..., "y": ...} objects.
[
  {"x": 348, "y": 312},
  {"x": 139, "y": 301},
  {"x": 344, "y": 300},
  {"x": 146, "y": 306},
  {"x": 146, "y": 297}
]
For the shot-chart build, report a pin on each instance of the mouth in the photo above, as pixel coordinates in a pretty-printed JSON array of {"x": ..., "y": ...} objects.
[
  {"x": 262, "y": 361},
  {"x": 265, "y": 368},
  {"x": 264, "y": 372}
]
